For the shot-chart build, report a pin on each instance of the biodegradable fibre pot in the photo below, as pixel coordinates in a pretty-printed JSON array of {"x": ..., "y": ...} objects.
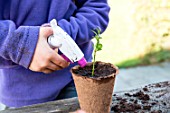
[{"x": 95, "y": 93}]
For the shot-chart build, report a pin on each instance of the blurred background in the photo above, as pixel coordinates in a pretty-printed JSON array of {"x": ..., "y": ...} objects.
[{"x": 137, "y": 40}]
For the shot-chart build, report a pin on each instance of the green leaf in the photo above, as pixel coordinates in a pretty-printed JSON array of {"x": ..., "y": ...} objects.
[
  {"x": 100, "y": 37},
  {"x": 98, "y": 30},
  {"x": 99, "y": 47}
]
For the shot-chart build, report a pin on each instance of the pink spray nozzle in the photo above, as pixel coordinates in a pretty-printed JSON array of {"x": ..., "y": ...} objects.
[{"x": 82, "y": 62}]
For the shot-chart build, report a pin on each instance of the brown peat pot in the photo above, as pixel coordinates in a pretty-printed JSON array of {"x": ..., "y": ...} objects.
[{"x": 95, "y": 92}]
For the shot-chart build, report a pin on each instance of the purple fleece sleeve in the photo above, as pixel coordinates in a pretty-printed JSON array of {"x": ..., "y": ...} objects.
[
  {"x": 90, "y": 15},
  {"x": 17, "y": 44}
]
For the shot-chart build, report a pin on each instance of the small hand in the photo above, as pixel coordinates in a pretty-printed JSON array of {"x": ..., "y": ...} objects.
[
  {"x": 45, "y": 59},
  {"x": 79, "y": 111}
]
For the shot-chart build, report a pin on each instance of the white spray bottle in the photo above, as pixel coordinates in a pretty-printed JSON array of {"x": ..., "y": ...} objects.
[{"x": 60, "y": 39}]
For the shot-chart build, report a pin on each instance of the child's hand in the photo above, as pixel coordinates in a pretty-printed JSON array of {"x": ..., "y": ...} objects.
[
  {"x": 78, "y": 111},
  {"x": 45, "y": 59}
]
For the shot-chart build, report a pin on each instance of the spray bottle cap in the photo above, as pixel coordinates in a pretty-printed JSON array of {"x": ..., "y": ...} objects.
[{"x": 82, "y": 62}]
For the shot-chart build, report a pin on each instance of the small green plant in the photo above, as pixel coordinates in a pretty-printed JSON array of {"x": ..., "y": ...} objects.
[{"x": 97, "y": 47}]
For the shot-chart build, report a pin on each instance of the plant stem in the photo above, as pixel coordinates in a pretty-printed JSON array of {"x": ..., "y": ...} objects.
[
  {"x": 94, "y": 59},
  {"x": 97, "y": 47}
]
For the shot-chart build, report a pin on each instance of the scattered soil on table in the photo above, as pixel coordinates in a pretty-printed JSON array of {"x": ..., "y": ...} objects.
[
  {"x": 147, "y": 107},
  {"x": 141, "y": 95},
  {"x": 158, "y": 111},
  {"x": 128, "y": 94},
  {"x": 101, "y": 69},
  {"x": 145, "y": 89},
  {"x": 124, "y": 106},
  {"x": 138, "y": 101},
  {"x": 158, "y": 85},
  {"x": 143, "y": 100}
]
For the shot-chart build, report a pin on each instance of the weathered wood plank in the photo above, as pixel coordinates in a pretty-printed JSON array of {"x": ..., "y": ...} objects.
[{"x": 60, "y": 106}]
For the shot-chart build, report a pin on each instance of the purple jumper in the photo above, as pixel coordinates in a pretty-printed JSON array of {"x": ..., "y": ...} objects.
[{"x": 19, "y": 28}]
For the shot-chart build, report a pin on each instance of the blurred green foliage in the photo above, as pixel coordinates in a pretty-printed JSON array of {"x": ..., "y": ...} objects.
[{"x": 137, "y": 33}]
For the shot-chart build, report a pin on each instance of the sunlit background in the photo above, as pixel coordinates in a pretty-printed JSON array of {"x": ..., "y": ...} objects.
[{"x": 138, "y": 33}]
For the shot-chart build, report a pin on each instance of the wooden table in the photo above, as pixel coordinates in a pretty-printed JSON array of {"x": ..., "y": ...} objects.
[{"x": 153, "y": 98}]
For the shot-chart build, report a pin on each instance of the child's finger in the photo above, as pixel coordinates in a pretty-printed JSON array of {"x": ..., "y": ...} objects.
[{"x": 78, "y": 111}]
